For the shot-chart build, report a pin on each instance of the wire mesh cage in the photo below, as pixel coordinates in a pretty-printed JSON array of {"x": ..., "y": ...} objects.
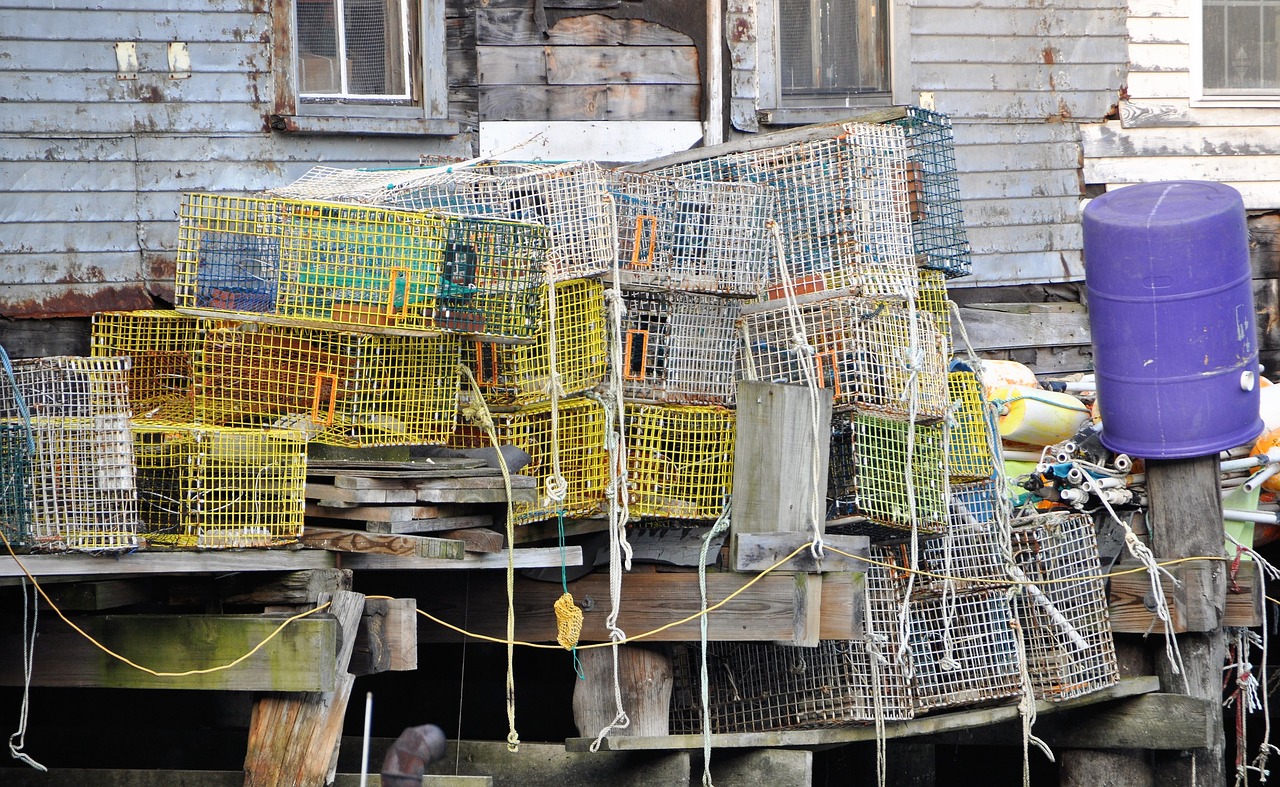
[
  {"x": 693, "y": 235},
  {"x": 842, "y": 468},
  {"x": 17, "y": 450},
  {"x": 963, "y": 649},
  {"x": 679, "y": 460},
  {"x": 341, "y": 388},
  {"x": 81, "y": 483},
  {"x": 842, "y": 207},
  {"x": 521, "y": 374},
  {"x": 972, "y": 434},
  {"x": 901, "y": 476},
  {"x": 937, "y": 220},
  {"x": 579, "y": 441},
  {"x": 330, "y": 265},
  {"x": 162, "y": 347},
  {"x": 680, "y": 348},
  {"x": 219, "y": 487},
  {"x": 967, "y": 555},
  {"x": 571, "y": 199},
  {"x": 931, "y": 299},
  {"x": 1064, "y": 616},
  {"x": 876, "y": 356},
  {"x": 365, "y": 186}
]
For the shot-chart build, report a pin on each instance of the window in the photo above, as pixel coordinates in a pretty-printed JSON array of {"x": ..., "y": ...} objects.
[
  {"x": 1239, "y": 51},
  {"x": 820, "y": 58},
  {"x": 364, "y": 66}
]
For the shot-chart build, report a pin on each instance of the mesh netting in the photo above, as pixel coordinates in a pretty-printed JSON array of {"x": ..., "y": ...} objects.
[
  {"x": 969, "y": 552},
  {"x": 963, "y": 649},
  {"x": 521, "y": 374},
  {"x": 331, "y": 265},
  {"x": 82, "y": 494},
  {"x": 931, "y": 299},
  {"x": 162, "y": 348},
  {"x": 692, "y": 235},
  {"x": 584, "y": 461},
  {"x": 937, "y": 221},
  {"x": 679, "y": 460},
  {"x": 680, "y": 348},
  {"x": 842, "y": 205},
  {"x": 1070, "y": 650},
  {"x": 341, "y": 388},
  {"x": 212, "y": 487},
  {"x": 864, "y": 350},
  {"x": 17, "y": 449},
  {"x": 970, "y": 439},
  {"x": 881, "y": 448}
]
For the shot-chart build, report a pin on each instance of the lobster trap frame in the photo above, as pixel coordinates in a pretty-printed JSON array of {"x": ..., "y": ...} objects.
[
  {"x": 341, "y": 388},
  {"x": 163, "y": 347},
  {"x": 81, "y": 475},
  {"x": 1065, "y": 619},
  {"x": 843, "y": 207},
  {"x": 937, "y": 220},
  {"x": 17, "y": 451},
  {"x": 876, "y": 356},
  {"x": 356, "y": 267},
  {"x": 693, "y": 235},
  {"x": 972, "y": 432},
  {"x": 584, "y": 460},
  {"x": 219, "y": 487},
  {"x": 679, "y": 460},
  {"x": 521, "y": 374},
  {"x": 963, "y": 649},
  {"x": 881, "y": 447},
  {"x": 679, "y": 348}
]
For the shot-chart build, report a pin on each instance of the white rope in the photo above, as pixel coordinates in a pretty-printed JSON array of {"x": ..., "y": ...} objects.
[
  {"x": 18, "y": 740},
  {"x": 911, "y": 393},
  {"x": 1026, "y": 703},
  {"x": 876, "y": 659},
  {"x": 1264, "y": 571},
  {"x": 721, "y": 525},
  {"x": 557, "y": 486}
]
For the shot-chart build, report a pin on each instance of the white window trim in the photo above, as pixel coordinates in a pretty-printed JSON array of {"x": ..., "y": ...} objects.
[
  {"x": 1198, "y": 96},
  {"x": 771, "y": 107},
  {"x": 374, "y": 116}
]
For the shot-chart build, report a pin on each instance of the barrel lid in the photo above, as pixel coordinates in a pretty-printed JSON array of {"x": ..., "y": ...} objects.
[{"x": 1170, "y": 202}]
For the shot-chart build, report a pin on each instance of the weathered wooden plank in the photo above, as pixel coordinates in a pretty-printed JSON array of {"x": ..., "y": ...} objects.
[
  {"x": 71, "y": 118},
  {"x": 536, "y": 532},
  {"x": 389, "y": 513},
  {"x": 1159, "y": 57},
  {"x": 1001, "y": 22},
  {"x": 643, "y": 674},
  {"x": 755, "y": 552},
  {"x": 431, "y": 525},
  {"x": 516, "y": 27},
  {"x": 529, "y": 557},
  {"x": 1025, "y": 325},
  {"x": 1157, "y": 113},
  {"x": 590, "y": 102},
  {"x": 1205, "y": 167},
  {"x": 74, "y": 56},
  {"x": 299, "y": 658},
  {"x": 1158, "y": 30},
  {"x": 103, "y": 24},
  {"x": 606, "y": 140},
  {"x": 512, "y": 65},
  {"x": 944, "y": 48},
  {"x": 637, "y": 65},
  {"x": 477, "y": 496},
  {"x": 1024, "y": 77},
  {"x": 672, "y": 546},
  {"x": 97, "y": 596},
  {"x": 1112, "y": 140},
  {"x": 1131, "y": 614},
  {"x": 358, "y": 541},
  {"x": 214, "y": 562},
  {"x": 324, "y": 494},
  {"x": 1175, "y": 8},
  {"x": 477, "y": 539},
  {"x": 1159, "y": 84},
  {"x": 295, "y": 587},
  {"x": 387, "y": 640}
]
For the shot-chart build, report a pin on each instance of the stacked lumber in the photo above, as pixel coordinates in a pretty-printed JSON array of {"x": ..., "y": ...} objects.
[{"x": 431, "y": 507}]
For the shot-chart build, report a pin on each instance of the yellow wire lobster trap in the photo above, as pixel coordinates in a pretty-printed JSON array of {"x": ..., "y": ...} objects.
[
  {"x": 340, "y": 388},
  {"x": 1065, "y": 617},
  {"x": 81, "y": 481},
  {"x": 521, "y": 374},
  {"x": 220, "y": 487},
  {"x": 680, "y": 348},
  {"x": 162, "y": 347},
  {"x": 571, "y": 199},
  {"x": 679, "y": 460},
  {"x": 875, "y": 356},
  {"x": 693, "y": 235},
  {"x": 842, "y": 205},
  {"x": 900, "y": 473},
  {"x": 971, "y": 436},
  {"x": 356, "y": 267},
  {"x": 578, "y": 439},
  {"x": 931, "y": 299}
]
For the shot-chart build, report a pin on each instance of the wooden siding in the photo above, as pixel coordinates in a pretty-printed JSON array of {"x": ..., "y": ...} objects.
[
  {"x": 94, "y": 166},
  {"x": 1161, "y": 136}
]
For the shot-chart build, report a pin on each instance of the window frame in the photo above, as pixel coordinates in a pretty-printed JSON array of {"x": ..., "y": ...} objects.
[
  {"x": 1198, "y": 96},
  {"x": 428, "y": 114},
  {"x": 773, "y": 108}
]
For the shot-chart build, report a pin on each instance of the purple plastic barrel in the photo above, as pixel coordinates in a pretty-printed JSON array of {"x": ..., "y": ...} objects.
[{"x": 1171, "y": 311}]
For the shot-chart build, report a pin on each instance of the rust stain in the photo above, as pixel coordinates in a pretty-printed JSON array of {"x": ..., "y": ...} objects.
[
  {"x": 741, "y": 31},
  {"x": 1047, "y": 56},
  {"x": 151, "y": 95},
  {"x": 79, "y": 304}
]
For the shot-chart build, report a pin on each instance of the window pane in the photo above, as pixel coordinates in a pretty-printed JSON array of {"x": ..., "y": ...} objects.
[
  {"x": 371, "y": 47},
  {"x": 318, "y": 47},
  {"x": 833, "y": 46},
  {"x": 1240, "y": 42}
]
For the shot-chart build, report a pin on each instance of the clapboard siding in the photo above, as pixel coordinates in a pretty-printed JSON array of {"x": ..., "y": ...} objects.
[
  {"x": 1111, "y": 140},
  {"x": 1151, "y": 113},
  {"x": 1017, "y": 50}
]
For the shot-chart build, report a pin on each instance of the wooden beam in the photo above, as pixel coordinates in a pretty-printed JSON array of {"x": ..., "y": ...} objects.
[
  {"x": 547, "y": 531},
  {"x": 755, "y": 552},
  {"x": 1131, "y": 614},
  {"x": 299, "y": 658},
  {"x": 389, "y": 513},
  {"x": 838, "y": 736},
  {"x": 538, "y": 557},
  {"x": 387, "y": 640},
  {"x": 430, "y": 525},
  {"x": 217, "y": 561},
  {"x": 99, "y": 595},
  {"x": 477, "y": 539},
  {"x": 778, "y": 607},
  {"x": 361, "y": 542},
  {"x": 324, "y": 494}
]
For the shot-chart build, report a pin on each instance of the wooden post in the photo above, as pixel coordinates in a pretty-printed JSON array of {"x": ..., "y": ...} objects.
[
  {"x": 1184, "y": 516},
  {"x": 645, "y": 674}
]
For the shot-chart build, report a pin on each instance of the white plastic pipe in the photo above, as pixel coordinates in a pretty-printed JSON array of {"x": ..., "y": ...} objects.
[{"x": 364, "y": 748}]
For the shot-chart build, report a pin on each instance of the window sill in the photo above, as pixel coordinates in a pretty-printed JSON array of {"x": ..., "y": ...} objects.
[
  {"x": 797, "y": 116},
  {"x": 404, "y": 127}
]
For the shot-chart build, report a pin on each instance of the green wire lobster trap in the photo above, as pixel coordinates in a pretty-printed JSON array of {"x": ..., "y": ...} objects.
[{"x": 937, "y": 219}]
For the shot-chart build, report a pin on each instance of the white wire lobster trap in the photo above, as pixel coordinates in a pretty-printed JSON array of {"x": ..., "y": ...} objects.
[
  {"x": 964, "y": 649},
  {"x": 81, "y": 484},
  {"x": 341, "y": 388},
  {"x": 680, "y": 348},
  {"x": 692, "y": 235},
  {"x": 217, "y": 487},
  {"x": 843, "y": 205},
  {"x": 679, "y": 460},
  {"x": 162, "y": 347},
  {"x": 937, "y": 220},
  {"x": 356, "y": 267},
  {"x": 875, "y": 356},
  {"x": 521, "y": 374},
  {"x": 1064, "y": 612}
]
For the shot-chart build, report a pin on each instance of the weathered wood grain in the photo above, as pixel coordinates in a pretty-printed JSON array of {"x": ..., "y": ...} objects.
[
  {"x": 515, "y": 27},
  {"x": 590, "y": 102},
  {"x": 359, "y": 541}
]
